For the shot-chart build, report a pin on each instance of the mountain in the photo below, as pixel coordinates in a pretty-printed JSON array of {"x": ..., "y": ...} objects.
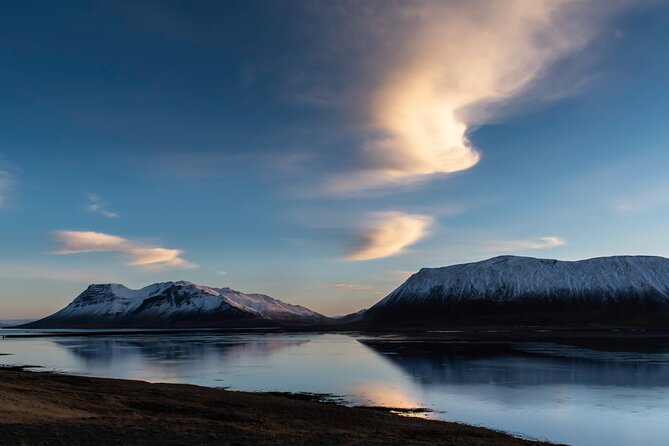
[
  {"x": 628, "y": 290},
  {"x": 13, "y": 322},
  {"x": 348, "y": 318},
  {"x": 173, "y": 304}
]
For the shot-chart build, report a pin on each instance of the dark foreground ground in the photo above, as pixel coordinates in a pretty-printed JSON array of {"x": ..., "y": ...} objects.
[{"x": 54, "y": 409}]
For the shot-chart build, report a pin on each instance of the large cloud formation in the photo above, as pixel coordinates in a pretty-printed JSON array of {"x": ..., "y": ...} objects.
[
  {"x": 388, "y": 234},
  {"x": 138, "y": 254},
  {"x": 460, "y": 60}
]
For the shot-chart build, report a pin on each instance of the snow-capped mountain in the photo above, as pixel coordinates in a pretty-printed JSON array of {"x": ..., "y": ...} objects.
[
  {"x": 530, "y": 290},
  {"x": 172, "y": 304}
]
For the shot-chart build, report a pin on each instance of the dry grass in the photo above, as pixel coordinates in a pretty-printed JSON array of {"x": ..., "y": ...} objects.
[{"x": 50, "y": 409}]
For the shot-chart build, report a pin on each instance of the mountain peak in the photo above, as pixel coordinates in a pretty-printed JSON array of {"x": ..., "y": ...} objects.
[
  {"x": 504, "y": 286},
  {"x": 172, "y": 304},
  {"x": 183, "y": 283}
]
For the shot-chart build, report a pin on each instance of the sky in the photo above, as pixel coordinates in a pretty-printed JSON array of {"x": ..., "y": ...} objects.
[{"x": 321, "y": 152}]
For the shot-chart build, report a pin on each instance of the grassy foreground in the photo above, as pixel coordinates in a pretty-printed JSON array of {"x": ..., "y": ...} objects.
[{"x": 55, "y": 409}]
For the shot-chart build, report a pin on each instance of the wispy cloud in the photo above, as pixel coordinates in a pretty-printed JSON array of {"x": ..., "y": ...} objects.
[
  {"x": 524, "y": 245},
  {"x": 137, "y": 253},
  {"x": 396, "y": 276},
  {"x": 97, "y": 206},
  {"x": 387, "y": 234},
  {"x": 635, "y": 184},
  {"x": 653, "y": 197},
  {"x": 6, "y": 183},
  {"x": 455, "y": 66},
  {"x": 348, "y": 286}
]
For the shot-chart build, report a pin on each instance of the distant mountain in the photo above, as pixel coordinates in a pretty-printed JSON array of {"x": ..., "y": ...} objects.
[
  {"x": 173, "y": 304},
  {"x": 506, "y": 290},
  {"x": 348, "y": 318},
  {"x": 13, "y": 322},
  {"x": 628, "y": 290}
]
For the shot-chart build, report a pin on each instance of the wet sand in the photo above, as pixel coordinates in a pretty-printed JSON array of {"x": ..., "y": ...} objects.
[{"x": 55, "y": 409}]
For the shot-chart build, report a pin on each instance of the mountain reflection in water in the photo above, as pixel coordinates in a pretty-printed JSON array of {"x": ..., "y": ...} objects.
[
  {"x": 522, "y": 364},
  {"x": 173, "y": 349},
  {"x": 614, "y": 392}
]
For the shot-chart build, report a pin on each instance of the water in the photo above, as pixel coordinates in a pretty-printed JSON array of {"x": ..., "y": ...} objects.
[{"x": 561, "y": 393}]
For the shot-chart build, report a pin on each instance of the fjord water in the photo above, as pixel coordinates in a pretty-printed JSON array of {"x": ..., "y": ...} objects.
[{"x": 561, "y": 393}]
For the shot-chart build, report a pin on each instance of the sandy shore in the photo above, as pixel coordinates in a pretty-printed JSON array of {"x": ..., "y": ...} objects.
[{"x": 55, "y": 409}]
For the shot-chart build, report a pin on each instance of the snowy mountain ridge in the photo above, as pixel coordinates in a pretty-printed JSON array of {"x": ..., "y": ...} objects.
[
  {"x": 510, "y": 277},
  {"x": 163, "y": 304},
  {"x": 512, "y": 285}
]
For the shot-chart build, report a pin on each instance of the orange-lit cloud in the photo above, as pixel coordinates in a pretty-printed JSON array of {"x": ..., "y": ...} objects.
[
  {"x": 460, "y": 60},
  {"x": 523, "y": 245},
  {"x": 138, "y": 254},
  {"x": 389, "y": 233}
]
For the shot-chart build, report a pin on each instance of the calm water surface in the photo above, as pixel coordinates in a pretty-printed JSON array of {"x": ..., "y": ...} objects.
[{"x": 547, "y": 391}]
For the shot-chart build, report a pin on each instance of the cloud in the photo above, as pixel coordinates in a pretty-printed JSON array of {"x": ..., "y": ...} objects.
[
  {"x": 387, "y": 234},
  {"x": 348, "y": 286},
  {"x": 96, "y": 206},
  {"x": 451, "y": 71},
  {"x": 6, "y": 183},
  {"x": 352, "y": 288},
  {"x": 396, "y": 276},
  {"x": 524, "y": 245},
  {"x": 649, "y": 198},
  {"x": 137, "y": 253}
]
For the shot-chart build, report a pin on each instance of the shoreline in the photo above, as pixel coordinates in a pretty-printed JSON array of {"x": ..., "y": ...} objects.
[
  {"x": 46, "y": 408},
  {"x": 592, "y": 337}
]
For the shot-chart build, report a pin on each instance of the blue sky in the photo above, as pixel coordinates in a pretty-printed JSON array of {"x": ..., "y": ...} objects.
[{"x": 320, "y": 152}]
